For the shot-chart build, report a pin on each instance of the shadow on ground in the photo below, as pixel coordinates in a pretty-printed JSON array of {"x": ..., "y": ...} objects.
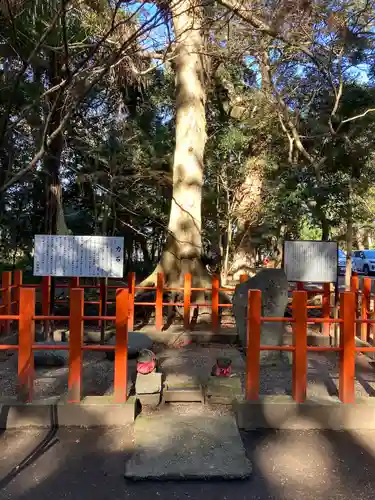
[{"x": 89, "y": 464}]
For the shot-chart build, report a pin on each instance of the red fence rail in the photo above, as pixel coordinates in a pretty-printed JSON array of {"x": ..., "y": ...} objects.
[{"x": 10, "y": 296}]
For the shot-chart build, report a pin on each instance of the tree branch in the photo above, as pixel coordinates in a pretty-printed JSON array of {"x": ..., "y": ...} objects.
[
  {"x": 113, "y": 56},
  {"x": 356, "y": 117},
  {"x": 24, "y": 68},
  {"x": 245, "y": 14}
]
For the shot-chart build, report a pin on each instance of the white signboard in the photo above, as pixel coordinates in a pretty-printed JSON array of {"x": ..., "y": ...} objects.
[
  {"x": 314, "y": 261},
  {"x": 75, "y": 256}
]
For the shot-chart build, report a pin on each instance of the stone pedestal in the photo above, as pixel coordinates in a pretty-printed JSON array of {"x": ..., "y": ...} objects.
[
  {"x": 148, "y": 388},
  {"x": 223, "y": 390}
]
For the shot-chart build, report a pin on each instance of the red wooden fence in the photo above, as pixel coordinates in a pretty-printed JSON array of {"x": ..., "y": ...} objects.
[
  {"x": 347, "y": 349},
  {"x": 10, "y": 294},
  {"x": 18, "y": 304},
  {"x": 26, "y": 327}
]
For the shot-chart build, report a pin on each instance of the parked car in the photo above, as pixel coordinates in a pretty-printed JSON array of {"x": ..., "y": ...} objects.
[
  {"x": 341, "y": 262},
  {"x": 363, "y": 261}
]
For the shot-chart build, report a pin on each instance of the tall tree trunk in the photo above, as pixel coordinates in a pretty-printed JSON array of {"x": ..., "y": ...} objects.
[
  {"x": 366, "y": 239},
  {"x": 145, "y": 251},
  {"x": 251, "y": 195},
  {"x": 325, "y": 228},
  {"x": 183, "y": 248},
  {"x": 227, "y": 246},
  {"x": 248, "y": 212},
  {"x": 55, "y": 220},
  {"x": 349, "y": 238},
  {"x": 278, "y": 245}
]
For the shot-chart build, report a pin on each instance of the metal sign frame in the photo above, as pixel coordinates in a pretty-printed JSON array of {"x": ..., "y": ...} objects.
[{"x": 334, "y": 277}]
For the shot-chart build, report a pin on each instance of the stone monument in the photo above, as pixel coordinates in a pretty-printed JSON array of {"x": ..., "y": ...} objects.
[{"x": 273, "y": 284}]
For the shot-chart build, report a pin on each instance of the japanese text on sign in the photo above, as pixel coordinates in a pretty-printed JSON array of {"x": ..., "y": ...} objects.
[
  {"x": 79, "y": 256},
  {"x": 314, "y": 261}
]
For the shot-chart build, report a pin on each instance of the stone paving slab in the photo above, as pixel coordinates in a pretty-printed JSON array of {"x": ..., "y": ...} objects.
[{"x": 198, "y": 445}]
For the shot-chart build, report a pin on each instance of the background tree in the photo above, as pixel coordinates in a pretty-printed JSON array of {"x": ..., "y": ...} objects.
[{"x": 193, "y": 130}]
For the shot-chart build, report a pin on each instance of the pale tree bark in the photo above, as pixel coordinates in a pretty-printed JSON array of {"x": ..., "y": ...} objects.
[
  {"x": 349, "y": 238},
  {"x": 366, "y": 239},
  {"x": 363, "y": 238},
  {"x": 250, "y": 203},
  {"x": 325, "y": 226},
  {"x": 228, "y": 244},
  {"x": 183, "y": 249},
  {"x": 251, "y": 193},
  {"x": 55, "y": 219}
]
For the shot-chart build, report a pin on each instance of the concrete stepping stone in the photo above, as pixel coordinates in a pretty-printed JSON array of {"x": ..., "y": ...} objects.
[{"x": 187, "y": 447}]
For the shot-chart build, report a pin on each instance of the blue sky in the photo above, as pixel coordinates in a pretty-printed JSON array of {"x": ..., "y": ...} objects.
[
  {"x": 159, "y": 38},
  {"x": 158, "y": 35}
]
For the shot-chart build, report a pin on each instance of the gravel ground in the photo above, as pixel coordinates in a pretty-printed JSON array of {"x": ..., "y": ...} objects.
[
  {"x": 195, "y": 363},
  {"x": 97, "y": 377},
  {"x": 89, "y": 465}
]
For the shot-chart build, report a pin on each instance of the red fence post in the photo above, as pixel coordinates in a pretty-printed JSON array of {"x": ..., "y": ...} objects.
[
  {"x": 18, "y": 283},
  {"x": 6, "y": 298},
  {"x": 215, "y": 285},
  {"x": 46, "y": 300},
  {"x": 354, "y": 287},
  {"x": 354, "y": 283},
  {"x": 243, "y": 277},
  {"x": 103, "y": 297},
  {"x": 26, "y": 335},
  {"x": 159, "y": 301},
  {"x": 75, "y": 345},
  {"x": 74, "y": 283},
  {"x": 299, "y": 286},
  {"x": 370, "y": 330},
  {"x": 121, "y": 352},
  {"x": 299, "y": 370},
  {"x": 131, "y": 287},
  {"x": 254, "y": 309},
  {"x": 2, "y": 305},
  {"x": 187, "y": 300},
  {"x": 326, "y": 307},
  {"x": 347, "y": 343},
  {"x": 101, "y": 294},
  {"x": 365, "y": 307}
]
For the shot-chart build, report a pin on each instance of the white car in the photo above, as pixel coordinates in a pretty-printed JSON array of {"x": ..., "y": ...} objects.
[{"x": 363, "y": 261}]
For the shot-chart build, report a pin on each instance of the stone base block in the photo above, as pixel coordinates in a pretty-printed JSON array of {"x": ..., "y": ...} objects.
[
  {"x": 281, "y": 412},
  {"x": 148, "y": 384},
  {"x": 223, "y": 390},
  {"x": 149, "y": 399},
  {"x": 182, "y": 395},
  {"x": 92, "y": 411}
]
